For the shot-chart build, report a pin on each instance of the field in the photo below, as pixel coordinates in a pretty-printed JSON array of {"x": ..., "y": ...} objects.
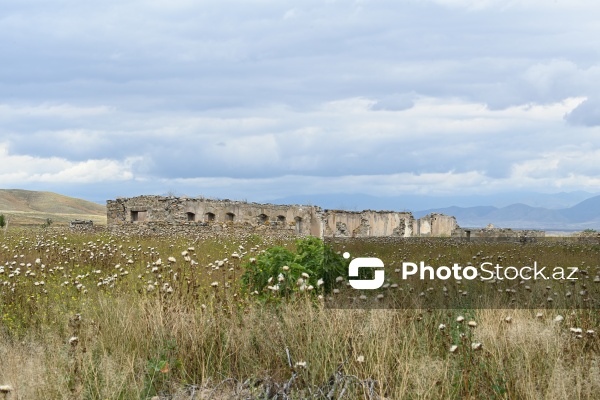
[{"x": 95, "y": 316}]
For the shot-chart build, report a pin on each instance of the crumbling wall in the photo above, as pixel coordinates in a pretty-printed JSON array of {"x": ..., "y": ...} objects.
[
  {"x": 435, "y": 224},
  {"x": 206, "y": 212},
  {"x": 500, "y": 234},
  {"x": 155, "y": 213},
  {"x": 367, "y": 223}
]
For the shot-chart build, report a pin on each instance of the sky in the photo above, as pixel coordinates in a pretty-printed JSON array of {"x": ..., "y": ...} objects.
[{"x": 261, "y": 99}]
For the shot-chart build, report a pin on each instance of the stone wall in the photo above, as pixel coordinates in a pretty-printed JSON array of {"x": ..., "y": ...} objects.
[
  {"x": 185, "y": 215},
  {"x": 152, "y": 213},
  {"x": 200, "y": 212},
  {"x": 367, "y": 223},
  {"x": 492, "y": 233},
  {"x": 435, "y": 224}
]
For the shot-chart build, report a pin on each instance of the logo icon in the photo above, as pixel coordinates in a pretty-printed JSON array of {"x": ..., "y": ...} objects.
[{"x": 365, "y": 262}]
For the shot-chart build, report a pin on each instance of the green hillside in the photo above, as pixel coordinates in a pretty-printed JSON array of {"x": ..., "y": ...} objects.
[{"x": 27, "y": 207}]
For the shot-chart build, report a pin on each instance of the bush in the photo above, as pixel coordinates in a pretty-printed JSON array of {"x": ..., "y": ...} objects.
[
  {"x": 2, "y": 221},
  {"x": 284, "y": 272}
]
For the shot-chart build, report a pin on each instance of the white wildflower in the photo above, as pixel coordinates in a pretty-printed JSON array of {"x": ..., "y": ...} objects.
[{"x": 476, "y": 346}]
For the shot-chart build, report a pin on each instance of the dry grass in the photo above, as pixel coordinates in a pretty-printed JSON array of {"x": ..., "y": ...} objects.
[
  {"x": 33, "y": 208},
  {"x": 217, "y": 343}
]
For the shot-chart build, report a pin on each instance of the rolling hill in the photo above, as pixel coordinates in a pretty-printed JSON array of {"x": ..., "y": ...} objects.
[
  {"x": 583, "y": 215},
  {"x": 27, "y": 207}
]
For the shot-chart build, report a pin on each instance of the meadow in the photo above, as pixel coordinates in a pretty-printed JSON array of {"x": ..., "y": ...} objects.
[{"x": 97, "y": 316}]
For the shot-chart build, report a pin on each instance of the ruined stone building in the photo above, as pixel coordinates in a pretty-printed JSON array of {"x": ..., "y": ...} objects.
[
  {"x": 499, "y": 234},
  {"x": 202, "y": 213}
]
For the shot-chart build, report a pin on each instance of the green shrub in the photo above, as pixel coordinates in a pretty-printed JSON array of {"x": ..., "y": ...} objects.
[
  {"x": 279, "y": 270},
  {"x": 2, "y": 221}
]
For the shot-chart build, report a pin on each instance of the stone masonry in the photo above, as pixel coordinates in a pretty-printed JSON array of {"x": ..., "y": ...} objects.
[{"x": 149, "y": 213}]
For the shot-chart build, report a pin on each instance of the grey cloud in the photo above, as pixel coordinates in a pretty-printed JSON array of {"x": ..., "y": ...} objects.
[
  {"x": 396, "y": 102},
  {"x": 164, "y": 68},
  {"x": 324, "y": 51},
  {"x": 586, "y": 114}
]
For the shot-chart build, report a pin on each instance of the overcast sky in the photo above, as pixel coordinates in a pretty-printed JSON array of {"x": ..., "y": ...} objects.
[{"x": 251, "y": 99}]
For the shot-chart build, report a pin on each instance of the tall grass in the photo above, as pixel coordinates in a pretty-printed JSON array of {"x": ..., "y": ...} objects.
[{"x": 206, "y": 341}]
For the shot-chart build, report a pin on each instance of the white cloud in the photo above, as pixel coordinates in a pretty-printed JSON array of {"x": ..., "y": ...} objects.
[
  {"x": 23, "y": 169},
  {"x": 387, "y": 96}
]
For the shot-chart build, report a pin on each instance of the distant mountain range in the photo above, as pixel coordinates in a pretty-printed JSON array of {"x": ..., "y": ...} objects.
[
  {"x": 583, "y": 215},
  {"x": 358, "y": 201}
]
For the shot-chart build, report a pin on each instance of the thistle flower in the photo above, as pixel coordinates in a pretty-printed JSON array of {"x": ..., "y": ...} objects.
[
  {"x": 508, "y": 319},
  {"x": 320, "y": 282},
  {"x": 5, "y": 389},
  {"x": 476, "y": 346},
  {"x": 453, "y": 348},
  {"x": 559, "y": 318},
  {"x": 442, "y": 327},
  {"x": 305, "y": 275},
  {"x": 472, "y": 324},
  {"x": 460, "y": 319},
  {"x": 300, "y": 364},
  {"x": 360, "y": 359},
  {"x": 73, "y": 340},
  {"x": 285, "y": 268},
  {"x": 171, "y": 259},
  {"x": 214, "y": 284}
]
